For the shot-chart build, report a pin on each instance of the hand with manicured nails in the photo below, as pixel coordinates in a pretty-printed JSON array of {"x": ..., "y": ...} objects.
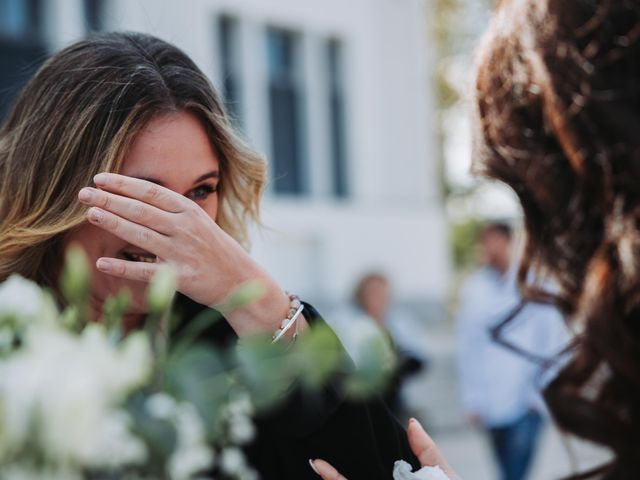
[
  {"x": 421, "y": 444},
  {"x": 210, "y": 264}
]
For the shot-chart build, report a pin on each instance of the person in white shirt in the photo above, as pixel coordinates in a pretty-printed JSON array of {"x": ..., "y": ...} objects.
[{"x": 499, "y": 387}]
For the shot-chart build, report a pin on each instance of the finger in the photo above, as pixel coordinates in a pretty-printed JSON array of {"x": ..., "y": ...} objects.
[
  {"x": 135, "y": 234},
  {"x": 143, "y": 190},
  {"x": 141, "y": 271},
  {"x": 129, "y": 208},
  {"x": 423, "y": 446},
  {"x": 325, "y": 470}
]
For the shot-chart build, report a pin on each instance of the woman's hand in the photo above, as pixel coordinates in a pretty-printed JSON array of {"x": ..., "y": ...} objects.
[
  {"x": 210, "y": 264},
  {"x": 421, "y": 444}
]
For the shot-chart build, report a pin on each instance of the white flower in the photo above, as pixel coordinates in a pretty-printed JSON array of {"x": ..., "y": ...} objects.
[
  {"x": 402, "y": 471},
  {"x": 192, "y": 454},
  {"x": 232, "y": 460},
  {"x": 161, "y": 406},
  {"x": 21, "y": 472},
  {"x": 20, "y": 298},
  {"x": 186, "y": 463},
  {"x": 68, "y": 387},
  {"x": 241, "y": 429},
  {"x": 240, "y": 405}
]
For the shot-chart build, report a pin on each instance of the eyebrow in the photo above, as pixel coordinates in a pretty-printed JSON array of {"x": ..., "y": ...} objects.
[{"x": 213, "y": 174}]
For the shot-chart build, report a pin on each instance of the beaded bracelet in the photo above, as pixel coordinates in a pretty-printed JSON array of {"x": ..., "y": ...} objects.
[{"x": 295, "y": 310}]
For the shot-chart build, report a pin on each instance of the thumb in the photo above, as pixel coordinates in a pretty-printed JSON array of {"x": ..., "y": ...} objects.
[
  {"x": 325, "y": 470},
  {"x": 423, "y": 447}
]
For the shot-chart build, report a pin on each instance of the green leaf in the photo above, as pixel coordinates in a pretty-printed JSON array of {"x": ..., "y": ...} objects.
[
  {"x": 113, "y": 311},
  {"x": 376, "y": 364},
  {"x": 193, "y": 330},
  {"x": 162, "y": 289},
  {"x": 318, "y": 356},
  {"x": 266, "y": 370},
  {"x": 201, "y": 376},
  {"x": 158, "y": 435},
  {"x": 75, "y": 279}
]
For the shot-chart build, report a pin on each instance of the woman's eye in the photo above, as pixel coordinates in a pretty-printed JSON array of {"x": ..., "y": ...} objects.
[{"x": 202, "y": 192}]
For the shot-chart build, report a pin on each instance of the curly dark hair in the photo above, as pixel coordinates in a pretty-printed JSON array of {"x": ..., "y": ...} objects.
[{"x": 558, "y": 106}]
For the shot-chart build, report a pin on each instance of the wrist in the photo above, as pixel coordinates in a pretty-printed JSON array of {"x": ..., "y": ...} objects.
[{"x": 264, "y": 315}]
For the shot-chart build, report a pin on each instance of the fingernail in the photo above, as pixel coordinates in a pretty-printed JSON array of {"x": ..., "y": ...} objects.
[
  {"x": 86, "y": 195},
  {"x": 103, "y": 265},
  {"x": 96, "y": 215},
  {"x": 313, "y": 467},
  {"x": 101, "y": 179}
]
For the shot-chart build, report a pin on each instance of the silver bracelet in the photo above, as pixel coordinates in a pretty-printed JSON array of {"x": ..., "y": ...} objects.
[{"x": 295, "y": 310}]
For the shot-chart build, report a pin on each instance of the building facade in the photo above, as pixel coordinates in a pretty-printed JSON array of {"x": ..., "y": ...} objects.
[{"x": 338, "y": 97}]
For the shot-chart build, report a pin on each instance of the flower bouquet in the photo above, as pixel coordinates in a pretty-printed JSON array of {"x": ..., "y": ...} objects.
[{"x": 85, "y": 400}]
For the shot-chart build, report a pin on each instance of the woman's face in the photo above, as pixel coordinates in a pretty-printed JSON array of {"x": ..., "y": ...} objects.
[{"x": 174, "y": 151}]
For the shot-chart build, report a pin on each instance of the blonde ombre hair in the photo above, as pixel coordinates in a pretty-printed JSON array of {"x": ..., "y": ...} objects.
[{"x": 78, "y": 116}]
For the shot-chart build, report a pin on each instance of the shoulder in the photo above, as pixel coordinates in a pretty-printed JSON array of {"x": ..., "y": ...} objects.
[{"x": 477, "y": 282}]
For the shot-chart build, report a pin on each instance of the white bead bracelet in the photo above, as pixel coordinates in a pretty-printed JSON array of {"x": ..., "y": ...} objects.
[{"x": 295, "y": 310}]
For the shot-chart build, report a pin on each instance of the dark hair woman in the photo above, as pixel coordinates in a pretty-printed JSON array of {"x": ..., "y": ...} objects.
[
  {"x": 127, "y": 125},
  {"x": 558, "y": 99},
  {"x": 558, "y": 119}
]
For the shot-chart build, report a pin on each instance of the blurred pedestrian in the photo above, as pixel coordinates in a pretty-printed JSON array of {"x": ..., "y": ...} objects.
[
  {"x": 497, "y": 386},
  {"x": 374, "y": 312}
]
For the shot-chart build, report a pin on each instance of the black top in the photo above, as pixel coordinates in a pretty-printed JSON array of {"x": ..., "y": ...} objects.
[{"x": 362, "y": 440}]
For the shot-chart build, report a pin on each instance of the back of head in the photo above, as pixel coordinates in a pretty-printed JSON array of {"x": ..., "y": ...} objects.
[
  {"x": 78, "y": 116},
  {"x": 558, "y": 104}
]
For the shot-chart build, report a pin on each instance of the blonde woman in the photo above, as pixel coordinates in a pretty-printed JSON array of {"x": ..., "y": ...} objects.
[{"x": 121, "y": 145}]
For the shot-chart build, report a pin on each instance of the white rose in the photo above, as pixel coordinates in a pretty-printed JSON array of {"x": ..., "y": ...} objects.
[
  {"x": 161, "y": 406},
  {"x": 20, "y": 298},
  {"x": 232, "y": 460},
  {"x": 241, "y": 429},
  {"x": 192, "y": 454},
  {"x": 72, "y": 385}
]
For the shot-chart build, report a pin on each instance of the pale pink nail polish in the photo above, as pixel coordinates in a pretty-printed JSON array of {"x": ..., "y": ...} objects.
[
  {"x": 103, "y": 265},
  {"x": 85, "y": 195},
  {"x": 101, "y": 179},
  {"x": 96, "y": 215},
  {"x": 313, "y": 467}
]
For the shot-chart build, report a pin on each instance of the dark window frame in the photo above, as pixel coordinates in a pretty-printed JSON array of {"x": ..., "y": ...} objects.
[{"x": 286, "y": 112}]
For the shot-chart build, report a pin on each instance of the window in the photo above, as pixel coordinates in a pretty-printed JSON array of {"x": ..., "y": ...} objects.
[
  {"x": 230, "y": 65},
  {"x": 94, "y": 13},
  {"x": 285, "y": 107},
  {"x": 20, "y": 19},
  {"x": 340, "y": 181},
  {"x": 22, "y": 48}
]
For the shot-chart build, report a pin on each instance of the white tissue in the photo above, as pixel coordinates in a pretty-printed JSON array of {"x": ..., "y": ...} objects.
[{"x": 402, "y": 471}]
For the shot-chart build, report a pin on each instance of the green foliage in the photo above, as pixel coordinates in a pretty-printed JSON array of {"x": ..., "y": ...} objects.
[
  {"x": 203, "y": 377},
  {"x": 375, "y": 366},
  {"x": 318, "y": 356},
  {"x": 75, "y": 280},
  {"x": 464, "y": 239},
  {"x": 187, "y": 391}
]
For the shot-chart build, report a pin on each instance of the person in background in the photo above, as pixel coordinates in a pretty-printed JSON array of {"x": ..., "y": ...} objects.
[
  {"x": 372, "y": 312},
  {"x": 498, "y": 386}
]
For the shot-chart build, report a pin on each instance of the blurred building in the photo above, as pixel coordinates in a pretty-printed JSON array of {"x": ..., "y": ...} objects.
[{"x": 338, "y": 95}]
